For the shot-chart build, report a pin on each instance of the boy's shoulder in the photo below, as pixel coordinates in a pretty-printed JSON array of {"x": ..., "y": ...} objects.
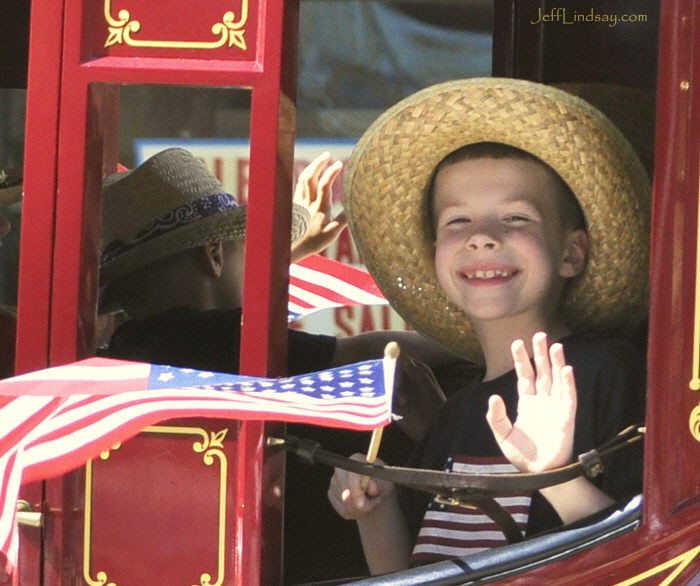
[
  {"x": 610, "y": 375},
  {"x": 591, "y": 349}
]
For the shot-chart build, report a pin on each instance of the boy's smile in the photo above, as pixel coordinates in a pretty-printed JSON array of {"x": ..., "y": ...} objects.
[
  {"x": 501, "y": 249},
  {"x": 488, "y": 274}
]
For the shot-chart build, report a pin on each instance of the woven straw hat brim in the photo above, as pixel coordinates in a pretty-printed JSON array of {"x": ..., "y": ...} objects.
[
  {"x": 390, "y": 168},
  {"x": 223, "y": 227}
]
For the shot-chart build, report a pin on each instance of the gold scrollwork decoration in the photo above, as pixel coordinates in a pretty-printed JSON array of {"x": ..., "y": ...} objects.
[
  {"x": 101, "y": 577},
  {"x": 216, "y": 440},
  {"x": 230, "y": 31},
  {"x": 695, "y": 380},
  {"x": 104, "y": 455},
  {"x": 214, "y": 449},
  {"x": 694, "y": 423},
  {"x": 211, "y": 446}
]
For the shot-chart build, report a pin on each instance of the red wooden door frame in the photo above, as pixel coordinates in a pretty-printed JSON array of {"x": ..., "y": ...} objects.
[{"x": 70, "y": 144}]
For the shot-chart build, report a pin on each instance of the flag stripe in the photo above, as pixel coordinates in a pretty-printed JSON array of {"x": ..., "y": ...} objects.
[
  {"x": 10, "y": 481},
  {"x": 331, "y": 288},
  {"x": 76, "y": 419},
  {"x": 318, "y": 282},
  {"x": 20, "y": 417},
  {"x": 349, "y": 274}
]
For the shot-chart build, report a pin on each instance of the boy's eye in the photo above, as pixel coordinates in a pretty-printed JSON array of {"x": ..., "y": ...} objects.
[
  {"x": 456, "y": 220},
  {"x": 516, "y": 218}
]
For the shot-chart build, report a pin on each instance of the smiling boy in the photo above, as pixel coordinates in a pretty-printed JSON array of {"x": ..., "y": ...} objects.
[
  {"x": 505, "y": 245},
  {"x": 523, "y": 213}
]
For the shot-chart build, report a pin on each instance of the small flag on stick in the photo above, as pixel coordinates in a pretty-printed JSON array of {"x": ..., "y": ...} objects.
[{"x": 391, "y": 354}]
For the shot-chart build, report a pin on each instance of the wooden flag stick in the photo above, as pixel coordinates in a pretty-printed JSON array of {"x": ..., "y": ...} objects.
[
  {"x": 390, "y": 351},
  {"x": 372, "y": 452}
]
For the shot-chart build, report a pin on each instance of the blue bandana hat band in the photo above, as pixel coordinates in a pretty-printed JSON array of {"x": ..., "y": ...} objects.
[{"x": 181, "y": 216}]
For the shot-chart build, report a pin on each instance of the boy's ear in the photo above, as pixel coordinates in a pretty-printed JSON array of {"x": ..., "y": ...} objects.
[
  {"x": 214, "y": 258},
  {"x": 575, "y": 253}
]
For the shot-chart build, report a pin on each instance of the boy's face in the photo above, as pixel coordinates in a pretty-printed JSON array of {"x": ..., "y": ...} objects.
[
  {"x": 501, "y": 249},
  {"x": 233, "y": 272}
]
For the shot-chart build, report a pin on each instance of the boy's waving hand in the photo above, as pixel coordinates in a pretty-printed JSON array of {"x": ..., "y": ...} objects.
[{"x": 541, "y": 438}]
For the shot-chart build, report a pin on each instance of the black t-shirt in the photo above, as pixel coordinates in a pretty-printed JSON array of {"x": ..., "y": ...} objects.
[
  {"x": 208, "y": 340},
  {"x": 610, "y": 387}
]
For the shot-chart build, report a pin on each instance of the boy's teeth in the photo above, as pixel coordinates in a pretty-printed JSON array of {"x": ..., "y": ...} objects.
[{"x": 489, "y": 274}]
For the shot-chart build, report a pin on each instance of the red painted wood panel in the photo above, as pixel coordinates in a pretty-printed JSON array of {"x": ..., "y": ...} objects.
[{"x": 77, "y": 65}]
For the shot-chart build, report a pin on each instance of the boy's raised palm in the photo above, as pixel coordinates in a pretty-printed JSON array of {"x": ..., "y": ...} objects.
[
  {"x": 314, "y": 191},
  {"x": 543, "y": 433}
]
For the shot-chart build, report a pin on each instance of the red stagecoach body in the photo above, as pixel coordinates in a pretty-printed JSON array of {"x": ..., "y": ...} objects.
[{"x": 218, "y": 521}]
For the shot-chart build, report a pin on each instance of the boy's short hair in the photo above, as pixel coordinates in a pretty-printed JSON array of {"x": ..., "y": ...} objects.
[
  {"x": 569, "y": 209},
  {"x": 387, "y": 177}
]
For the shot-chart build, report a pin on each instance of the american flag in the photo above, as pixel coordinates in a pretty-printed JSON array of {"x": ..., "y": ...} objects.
[
  {"x": 318, "y": 282},
  {"x": 55, "y": 420}
]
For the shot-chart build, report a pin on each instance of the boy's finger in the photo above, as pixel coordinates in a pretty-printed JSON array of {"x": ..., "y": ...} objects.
[
  {"x": 523, "y": 368},
  {"x": 325, "y": 183},
  {"x": 372, "y": 488},
  {"x": 332, "y": 230},
  {"x": 353, "y": 498},
  {"x": 540, "y": 351},
  {"x": 318, "y": 169},
  {"x": 324, "y": 188},
  {"x": 556, "y": 356},
  {"x": 497, "y": 418},
  {"x": 311, "y": 173},
  {"x": 314, "y": 167},
  {"x": 569, "y": 395},
  {"x": 331, "y": 173}
]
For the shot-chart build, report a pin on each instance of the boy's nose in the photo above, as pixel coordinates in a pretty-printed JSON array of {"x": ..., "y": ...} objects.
[{"x": 483, "y": 237}]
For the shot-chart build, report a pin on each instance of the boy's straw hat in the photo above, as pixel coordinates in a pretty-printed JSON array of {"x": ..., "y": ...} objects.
[
  {"x": 391, "y": 166},
  {"x": 10, "y": 186},
  {"x": 168, "y": 204}
]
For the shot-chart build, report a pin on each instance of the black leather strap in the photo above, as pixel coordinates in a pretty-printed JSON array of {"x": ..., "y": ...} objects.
[
  {"x": 472, "y": 490},
  {"x": 455, "y": 484}
]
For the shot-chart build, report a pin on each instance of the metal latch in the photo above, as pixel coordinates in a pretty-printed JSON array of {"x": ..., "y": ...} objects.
[{"x": 26, "y": 516}]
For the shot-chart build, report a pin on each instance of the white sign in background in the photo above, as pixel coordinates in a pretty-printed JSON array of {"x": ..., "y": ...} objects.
[{"x": 229, "y": 160}]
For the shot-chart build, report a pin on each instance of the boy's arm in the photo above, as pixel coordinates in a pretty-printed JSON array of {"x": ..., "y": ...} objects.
[
  {"x": 542, "y": 436},
  {"x": 368, "y": 345},
  {"x": 383, "y": 532},
  {"x": 385, "y": 539},
  {"x": 576, "y": 499},
  {"x": 314, "y": 191}
]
